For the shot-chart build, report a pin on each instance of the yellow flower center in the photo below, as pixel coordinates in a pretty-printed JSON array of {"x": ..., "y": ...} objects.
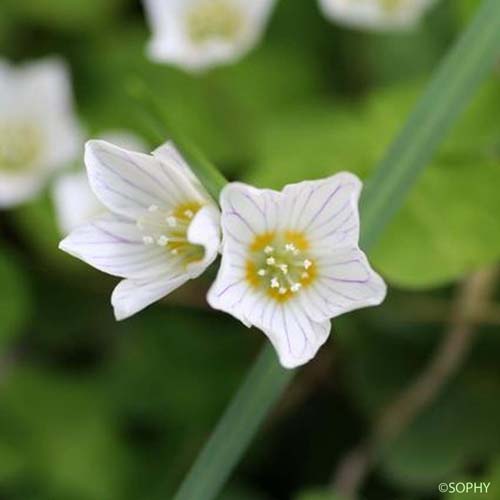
[
  {"x": 20, "y": 145},
  {"x": 280, "y": 265},
  {"x": 168, "y": 229},
  {"x": 209, "y": 19}
]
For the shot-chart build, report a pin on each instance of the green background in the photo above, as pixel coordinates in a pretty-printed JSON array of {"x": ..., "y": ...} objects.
[{"x": 95, "y": 410}]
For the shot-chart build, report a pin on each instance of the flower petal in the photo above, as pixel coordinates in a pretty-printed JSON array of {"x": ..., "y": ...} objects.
[
  {"x": 17, "y": 188},
  {"x": 204, "y": 230},
  {"x": 172, "y": 43},
  {"x": 325, "y": 210},
  {"x": 132, "y": 296},
  {"x": 114, "y": 245},
  {"x": 345, "y": 282},
  {"x": 294, "y": 335},
  {"x": 245, "y": 206},
  {"x": 74, "y": 201},
  {"x": 128, "y": 183},
  {"x": 373, "y": 14}
]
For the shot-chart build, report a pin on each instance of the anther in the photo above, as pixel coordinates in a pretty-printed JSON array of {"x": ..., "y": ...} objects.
[
  {"x": 261, "y": 272},
  {"x": 268, "y": 250},
  {"x": 305, "y": 276},
  {"x": 189, "y": 214},
  {"x": 290, "y": 247},
  {"x": 307, "y": 264},
  {"x": 171, "y": 221},
  {"x": 275, "y": 283},
  {"x": 162, "y": 241},
  {"x": 283, "y": 268},
  {"x": 174, "y": 251},
  {"x": 270, "y": 261},
  {"x": 282, "y": 290},
  {"x": 295, "y": 287}
]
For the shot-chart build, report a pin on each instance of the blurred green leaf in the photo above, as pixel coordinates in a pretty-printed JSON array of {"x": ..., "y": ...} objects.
[
  {"x": 15, "y": 298},
  {"x": 318, "y": 494},
  {"x": 63, "y": 15},
  {"x": 459, "y": 428},
  {"x": 58, "y": 431}
]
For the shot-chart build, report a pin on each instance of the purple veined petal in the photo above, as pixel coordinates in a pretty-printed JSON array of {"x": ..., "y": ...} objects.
[
  {"x": 229, "y": 289},
  {"x": 295, "y": 336},
  {"x": 345, "y": 282},
  {"x": 114, "y": 245},
  {"x": 247, "y": 204},
  {"x": 128, "y": 183},
  {"x": 132, "y": 296},
  {"x": 324, "y": 205},
  {"x": 295, "y": 197}
]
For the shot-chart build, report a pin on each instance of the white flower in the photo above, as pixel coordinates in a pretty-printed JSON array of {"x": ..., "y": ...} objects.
[
  {"x": 39, "y": 132},
  {"x": 197, "y": 34},
  {"x": 163, "y": 228},
  {"x": 291, "y": 261},
  {"x": 74, "y": 201},
  {"x": 376, "y": 14}
]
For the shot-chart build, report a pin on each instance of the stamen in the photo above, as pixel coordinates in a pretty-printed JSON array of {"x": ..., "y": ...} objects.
[
  {"x": 275, "y": 283},
  {"x": 189, "y": 214},
  {"x": 268, "y": 250},
  {"x": 174, "y": 251},
  {"x": 270, "y": 261},
  {"x": 261, "y": 272},
  {"x": 296, "y": 287},
  {"x": 307, "y": 264},
  {"x": 282, "y": 290},
  {"x": 305, "y": 276},
  {"x": 290, "y": 247},
  {"x": 283, "y": 268},
  {"x": 171, "y": 221},
  {"x": 162, "y": 241}
]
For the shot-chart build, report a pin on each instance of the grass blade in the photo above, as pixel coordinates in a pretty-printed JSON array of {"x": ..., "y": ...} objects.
[{"x": 449, "y": 92}]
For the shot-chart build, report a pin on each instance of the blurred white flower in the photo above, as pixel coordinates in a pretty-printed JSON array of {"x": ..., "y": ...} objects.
[
  {"x": 74, "y": 201},
  {"x": 163, "y": 228},
  {"x": 39, "y": 132},
  {"x": 376, "y": 14},
  {"x": 197, "y": 34},
  {"x": 291, "y": 262}
]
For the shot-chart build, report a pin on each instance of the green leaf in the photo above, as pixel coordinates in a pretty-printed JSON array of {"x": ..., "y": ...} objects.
[
  {"x": 65, "y": 16},
  {"x": 15, "y": 299},
  {"x": 63, "y": 440},
  {"x": 318, "y": 494},
  {"x": 450, "y": 90}
]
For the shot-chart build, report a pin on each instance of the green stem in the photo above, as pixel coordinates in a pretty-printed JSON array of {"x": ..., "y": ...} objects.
[
  {"x": 263, "y": 385},
  {"x": 206, "y": 172}
]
